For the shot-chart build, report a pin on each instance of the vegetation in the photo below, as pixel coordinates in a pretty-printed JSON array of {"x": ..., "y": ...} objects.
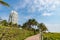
[
  {"x": 51, "y": 36},
  {"x": 13, "y": 33},
  {"x": 29, "y": 24},
  {"x": 10, "y": 31},
  {"x": 4, "y": 3},
  {"x": 42, "y": 27}
]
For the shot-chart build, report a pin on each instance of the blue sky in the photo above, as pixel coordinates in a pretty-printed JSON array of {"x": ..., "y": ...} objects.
[{"x": 46, "y": 11}]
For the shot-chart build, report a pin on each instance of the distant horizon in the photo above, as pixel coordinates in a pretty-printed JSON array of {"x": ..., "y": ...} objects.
[{"x": 45, "y": 11}]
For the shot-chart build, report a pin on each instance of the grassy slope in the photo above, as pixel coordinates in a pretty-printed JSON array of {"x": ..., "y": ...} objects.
[{"x": 13, "y": 33}]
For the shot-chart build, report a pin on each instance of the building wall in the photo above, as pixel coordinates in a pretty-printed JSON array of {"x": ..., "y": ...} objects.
[{"x": 13, "y": 17}]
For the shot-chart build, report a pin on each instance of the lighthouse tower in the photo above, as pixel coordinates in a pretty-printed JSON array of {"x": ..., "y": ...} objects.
[{"x": 13, "y": 17}]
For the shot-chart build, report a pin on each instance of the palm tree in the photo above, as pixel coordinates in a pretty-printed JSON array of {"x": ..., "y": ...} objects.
[
  {"x": 42, "y": 28},
  {"x": 32, "y": 22},
  {"x": 4, "y": 3},
  {"x": 29, "y": 23}
]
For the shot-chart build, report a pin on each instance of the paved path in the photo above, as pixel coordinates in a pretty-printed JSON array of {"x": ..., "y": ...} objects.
[{"x": 35, "y": 37}]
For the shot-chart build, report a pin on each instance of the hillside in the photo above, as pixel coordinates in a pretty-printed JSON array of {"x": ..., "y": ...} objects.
[{"x": 13, "y": 33}]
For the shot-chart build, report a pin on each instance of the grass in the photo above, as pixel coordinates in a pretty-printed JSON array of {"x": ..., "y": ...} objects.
[
  {"x": 51, "y": 36},
  {"x": 14, "y": 33}
]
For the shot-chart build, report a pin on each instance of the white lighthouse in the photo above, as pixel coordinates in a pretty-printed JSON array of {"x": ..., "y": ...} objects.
[{"x": 13, "y": 17}]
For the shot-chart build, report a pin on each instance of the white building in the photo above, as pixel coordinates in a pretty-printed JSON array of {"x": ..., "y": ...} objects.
[{"x": 13, "y": 17}]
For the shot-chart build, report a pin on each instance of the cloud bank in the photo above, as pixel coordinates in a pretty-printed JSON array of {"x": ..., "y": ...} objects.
[{"x": 33, "y": 5}]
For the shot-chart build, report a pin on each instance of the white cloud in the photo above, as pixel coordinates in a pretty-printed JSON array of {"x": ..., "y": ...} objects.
[
  {"x": 57, "y": 2},
  {"x": 47, "y": 14},
  {"x": 53, "y": 7},
  {"x": 33, "y": 5}
]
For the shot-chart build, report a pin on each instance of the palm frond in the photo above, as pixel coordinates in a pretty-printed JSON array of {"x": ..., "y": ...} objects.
[{"x": 4, "y": 3}]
